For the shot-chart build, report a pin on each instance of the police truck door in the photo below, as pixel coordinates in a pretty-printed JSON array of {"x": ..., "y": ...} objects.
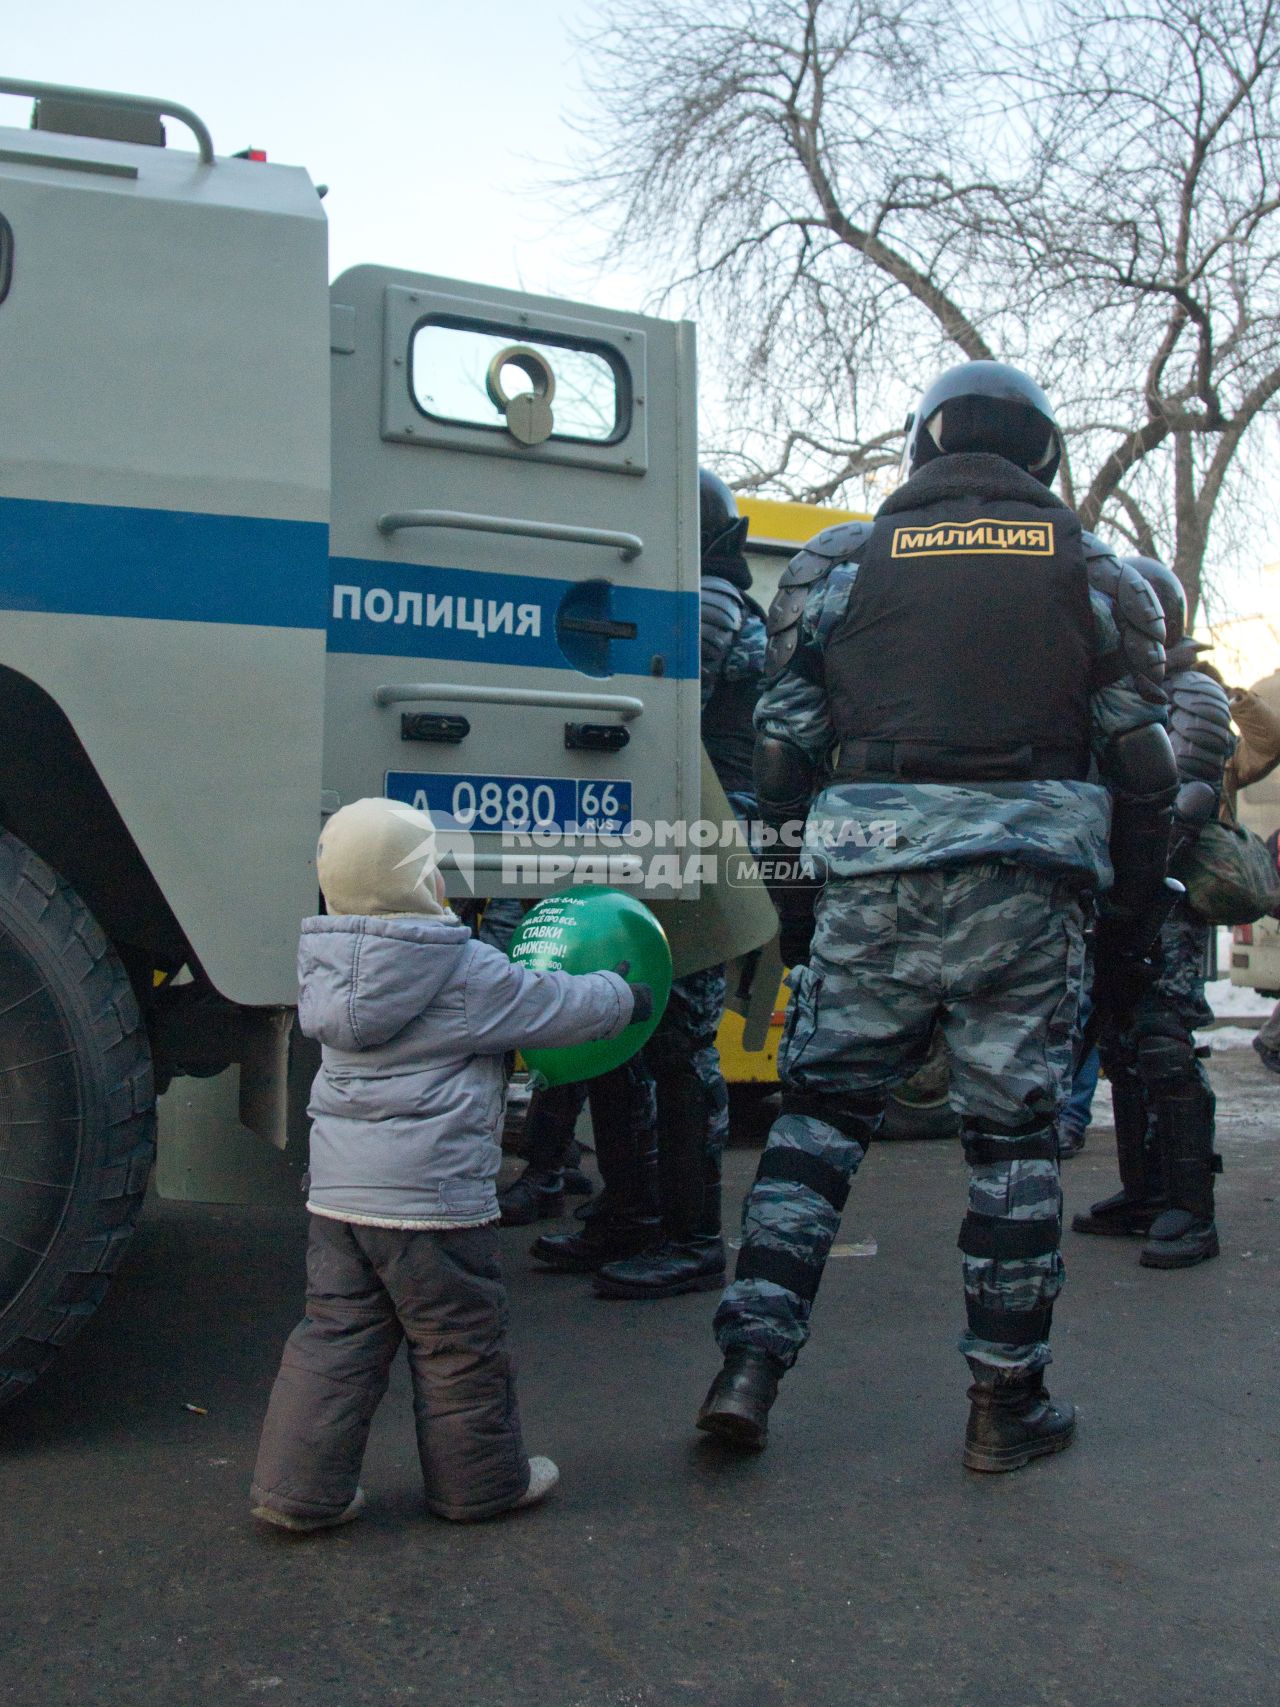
[{"x": 514, "y": 612}]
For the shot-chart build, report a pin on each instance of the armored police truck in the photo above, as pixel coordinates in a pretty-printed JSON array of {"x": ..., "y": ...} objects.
[{"x": 268, "y": 545}]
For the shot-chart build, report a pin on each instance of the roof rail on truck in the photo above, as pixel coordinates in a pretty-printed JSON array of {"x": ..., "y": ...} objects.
[{"x": 158, "y": 108}]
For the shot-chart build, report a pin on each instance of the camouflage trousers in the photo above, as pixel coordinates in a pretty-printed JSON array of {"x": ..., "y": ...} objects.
[
  {"x": 1184, "y": 946},
  {"x": 993, "y": 954}
]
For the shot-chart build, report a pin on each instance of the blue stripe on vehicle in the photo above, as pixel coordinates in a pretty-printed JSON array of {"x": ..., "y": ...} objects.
[
  {"x": 165, "y": 565},
  {"x": 186, "y": 566},
  {"x": 666, "y": 623}
]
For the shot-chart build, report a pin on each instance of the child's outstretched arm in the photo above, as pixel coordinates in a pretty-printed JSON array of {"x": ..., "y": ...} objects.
[{"x": 510, "y": 1007}]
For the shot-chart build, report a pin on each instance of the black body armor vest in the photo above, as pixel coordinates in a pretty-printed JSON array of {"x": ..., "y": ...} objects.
[{"x": 966, "y": 651}]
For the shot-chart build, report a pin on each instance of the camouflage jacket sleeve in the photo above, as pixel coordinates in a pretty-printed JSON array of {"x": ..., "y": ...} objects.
[
  {"x": 794, "y": 704},
  {"x": 744, "y": 661}
]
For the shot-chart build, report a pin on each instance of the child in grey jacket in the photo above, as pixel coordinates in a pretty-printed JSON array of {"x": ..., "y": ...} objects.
[{"x": 414, "y": 1019}]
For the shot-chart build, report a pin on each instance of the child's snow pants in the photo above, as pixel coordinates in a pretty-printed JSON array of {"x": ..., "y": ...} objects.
[{"x": 367, "y": 1289}]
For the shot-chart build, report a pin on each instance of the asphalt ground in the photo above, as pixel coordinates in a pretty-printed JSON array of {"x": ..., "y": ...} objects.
[{"x": 854, "y": 1562}]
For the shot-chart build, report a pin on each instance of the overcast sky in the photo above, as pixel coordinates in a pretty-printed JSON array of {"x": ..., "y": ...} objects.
[
  {"x": 439, "y": 126},
  {"x": 436, "y": 125}
]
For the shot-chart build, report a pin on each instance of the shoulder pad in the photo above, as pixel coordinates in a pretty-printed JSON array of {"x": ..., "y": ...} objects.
[
  {"x": 1137, "y": 613},
  {"x": 839, "y": 544},
  {"x": 842, "y": 542}
]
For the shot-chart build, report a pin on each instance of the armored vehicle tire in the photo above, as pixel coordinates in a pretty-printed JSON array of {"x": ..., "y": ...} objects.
[{"x": 77, "y": 1114}]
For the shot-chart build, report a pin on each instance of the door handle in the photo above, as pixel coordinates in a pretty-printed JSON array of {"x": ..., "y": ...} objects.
[
  {"x": 467, "y": 693},
  {"x": 627, "y": 545}
]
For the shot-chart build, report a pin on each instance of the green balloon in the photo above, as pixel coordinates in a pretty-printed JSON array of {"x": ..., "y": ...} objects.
[{"x": 592, "y": 929}]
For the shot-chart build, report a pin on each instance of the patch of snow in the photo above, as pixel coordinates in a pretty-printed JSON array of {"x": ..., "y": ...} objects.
[
  {"x": 1227, "y": 1037},
  {"x": 1229, "y": 1000}
]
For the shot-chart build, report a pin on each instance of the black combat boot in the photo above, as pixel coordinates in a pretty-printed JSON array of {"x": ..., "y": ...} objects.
[
  {"x": 666, "y": 1269},
  {"x": 1141, "y": 1198},
  {"x": 736, "y": 1410},
  {"x": 1185, "y": 1233},
  {"x": 612, "y": 1227},
  {"x": 1011, "y": 1421},
  {"x": 623, "y": 1219},
  {"x": 538, "y": 1195},
  {"x": 689, "y": 1257}
]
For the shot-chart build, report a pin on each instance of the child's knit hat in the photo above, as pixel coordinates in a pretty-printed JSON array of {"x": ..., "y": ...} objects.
[{"x": 379, "y": 857}]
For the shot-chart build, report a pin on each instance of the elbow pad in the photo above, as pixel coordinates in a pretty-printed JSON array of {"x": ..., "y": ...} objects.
[
  {"x": 1141, "y": 767},
  {"x": 1199, "y": 727},
  {"x": 1143, "y": 775},
  {"x": 722, "y": 615},
  {"x": 784, "y": 779}
]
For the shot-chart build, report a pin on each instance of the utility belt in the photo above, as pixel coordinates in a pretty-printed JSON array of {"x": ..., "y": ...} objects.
[{"x": 936, "y": 761}]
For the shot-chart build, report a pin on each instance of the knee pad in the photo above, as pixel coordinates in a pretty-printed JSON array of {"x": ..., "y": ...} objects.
[
  {"x": 1116, "y": 1052},
  {"x": 1165, "y": 1054}
]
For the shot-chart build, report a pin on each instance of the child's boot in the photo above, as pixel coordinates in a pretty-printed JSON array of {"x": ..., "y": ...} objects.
[{"x": 543, "y": 1476}]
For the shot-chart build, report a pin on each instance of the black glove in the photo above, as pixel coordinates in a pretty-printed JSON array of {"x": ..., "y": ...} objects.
[
  {"x": 641, "y": 996},
  {"x": 797, "y": 904},
  {"x": 1122, "y": 974},
  {"x": 1195, "y": 806}
]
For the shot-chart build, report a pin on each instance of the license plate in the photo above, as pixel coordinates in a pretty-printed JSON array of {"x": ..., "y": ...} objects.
[{"x": 503, "y": 804}]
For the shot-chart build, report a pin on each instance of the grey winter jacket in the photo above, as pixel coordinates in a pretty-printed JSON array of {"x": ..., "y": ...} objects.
[{"x": 414, "y": 1018}]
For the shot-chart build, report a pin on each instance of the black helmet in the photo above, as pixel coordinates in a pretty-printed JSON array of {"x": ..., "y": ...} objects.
[
  {"x": 986, "y": 406},
  {"x": 724, "y": 531},
  {"x": 1171, "y": 594}
]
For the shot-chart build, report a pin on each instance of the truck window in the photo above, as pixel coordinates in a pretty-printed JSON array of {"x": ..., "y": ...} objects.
[{"x": 456, "y": 377}]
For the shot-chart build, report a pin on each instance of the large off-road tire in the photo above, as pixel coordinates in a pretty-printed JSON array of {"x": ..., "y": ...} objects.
[{"x": 77, "y": 1114}]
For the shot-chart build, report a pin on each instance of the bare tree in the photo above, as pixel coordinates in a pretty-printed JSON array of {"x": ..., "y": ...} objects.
[{"x": 852, "y": 193}]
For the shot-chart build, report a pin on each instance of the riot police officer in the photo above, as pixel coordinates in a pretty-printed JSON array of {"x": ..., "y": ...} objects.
[
  {"x": 938, "y": 681},
  {"x": 678, "y": 1082},
  {"x": 1160, "y": 1093}
]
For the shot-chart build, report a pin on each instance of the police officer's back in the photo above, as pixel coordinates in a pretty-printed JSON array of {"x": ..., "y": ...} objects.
[{"x": 940, "y": 681}]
